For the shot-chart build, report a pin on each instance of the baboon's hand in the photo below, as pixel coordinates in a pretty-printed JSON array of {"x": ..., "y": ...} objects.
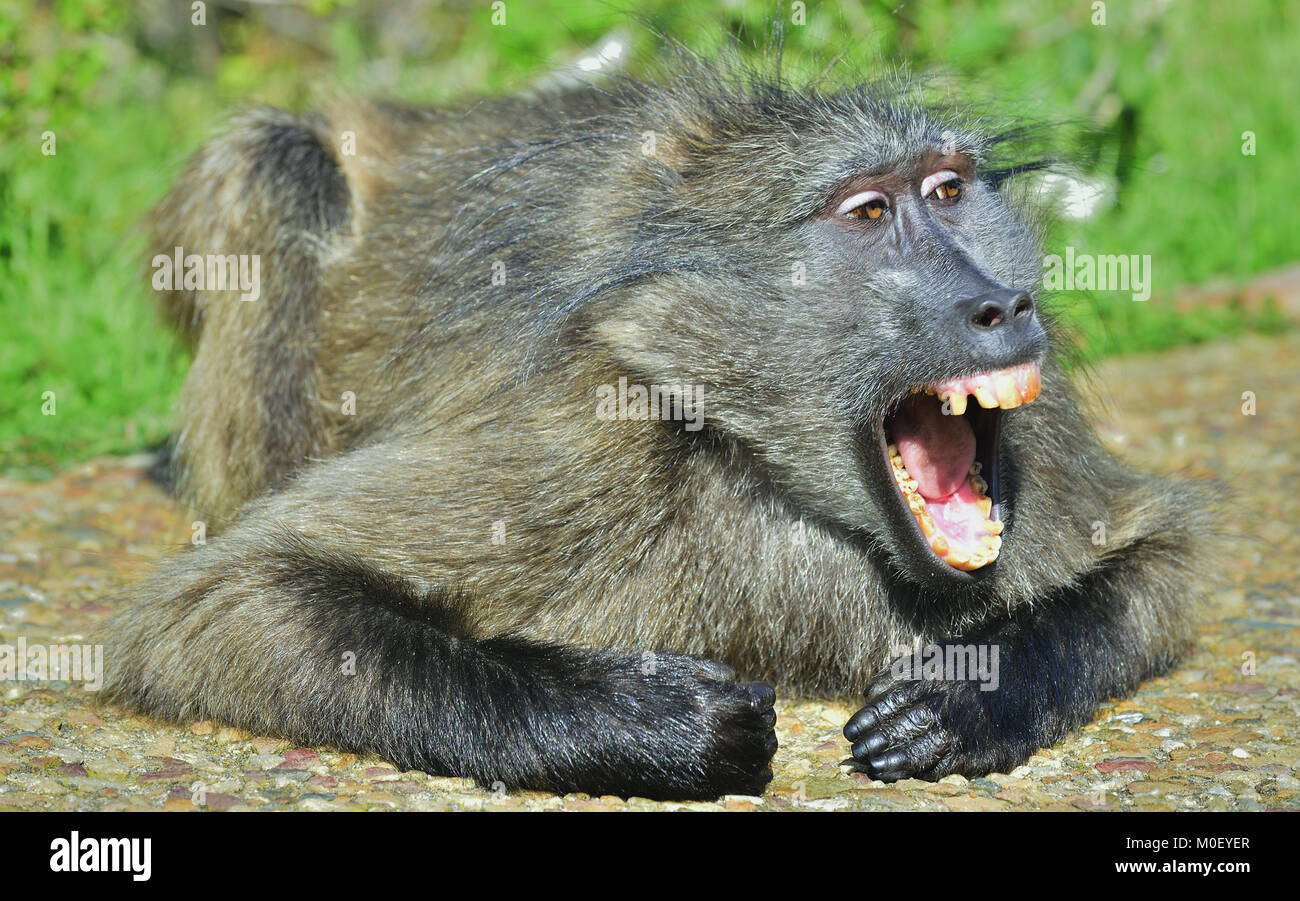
[
  {"x": 661, "y": 726},
  {"x": 927, "y": 729},
  {"x": 737, "y": 720}
]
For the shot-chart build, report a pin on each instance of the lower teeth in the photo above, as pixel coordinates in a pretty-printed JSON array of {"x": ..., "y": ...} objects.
[{"x": 992, "y": 542}]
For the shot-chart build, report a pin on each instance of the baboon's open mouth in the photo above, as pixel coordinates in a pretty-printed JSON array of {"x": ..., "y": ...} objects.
[{"x": 942, "y": 452}]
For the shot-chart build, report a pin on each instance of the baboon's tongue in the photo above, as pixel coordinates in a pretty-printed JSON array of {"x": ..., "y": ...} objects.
[{"x": 937, "y": 450}]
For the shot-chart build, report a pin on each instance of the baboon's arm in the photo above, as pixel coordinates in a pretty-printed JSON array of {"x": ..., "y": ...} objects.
[{"x": 270, "y": 632}]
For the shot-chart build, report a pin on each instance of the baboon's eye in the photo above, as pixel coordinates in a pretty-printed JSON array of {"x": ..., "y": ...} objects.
[
  {"x": 864, "y": 205},
  {"x": 942, "y": 185}
]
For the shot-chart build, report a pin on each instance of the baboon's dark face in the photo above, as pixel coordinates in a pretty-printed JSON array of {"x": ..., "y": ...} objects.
[
  {"x": 861, "y": 315},
  {"x": 951, "y": 340}
]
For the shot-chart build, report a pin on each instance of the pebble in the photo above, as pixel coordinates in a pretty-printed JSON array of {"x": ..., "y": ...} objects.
[{"x": 263, "y": 746}]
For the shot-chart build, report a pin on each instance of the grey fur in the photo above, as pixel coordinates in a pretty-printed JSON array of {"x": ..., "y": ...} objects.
[{"x": 764, "y": 541}]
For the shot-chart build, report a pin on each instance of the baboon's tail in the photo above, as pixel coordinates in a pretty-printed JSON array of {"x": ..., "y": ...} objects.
[{"x": 250, "y": 223}]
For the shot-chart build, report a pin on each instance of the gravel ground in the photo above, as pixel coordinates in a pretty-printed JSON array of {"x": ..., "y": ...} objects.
[{"x": 1219, "y": 733}]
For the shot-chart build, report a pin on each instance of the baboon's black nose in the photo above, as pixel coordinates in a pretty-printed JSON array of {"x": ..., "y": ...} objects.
[
  {"x": 1000, "y": 324},
  {"x": 999, "y": 309}
]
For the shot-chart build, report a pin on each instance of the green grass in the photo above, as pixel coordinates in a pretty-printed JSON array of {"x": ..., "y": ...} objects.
[{"x": 1156, "y": 100}]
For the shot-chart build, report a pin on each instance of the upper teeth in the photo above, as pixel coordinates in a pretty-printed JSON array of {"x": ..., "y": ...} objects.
[{"x": 1005, "y": 388}]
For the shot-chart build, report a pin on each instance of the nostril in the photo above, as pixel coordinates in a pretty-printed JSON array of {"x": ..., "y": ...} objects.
[
  {"x": 988, "y": 315},
  {"x": 1024, "y": 307}
]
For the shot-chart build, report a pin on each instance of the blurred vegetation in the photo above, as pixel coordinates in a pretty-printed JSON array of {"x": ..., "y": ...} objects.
[{"x": 1154, "y": 102}]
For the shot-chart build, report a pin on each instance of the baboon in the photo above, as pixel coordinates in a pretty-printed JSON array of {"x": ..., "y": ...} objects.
[{"x": 459, "y": 517}]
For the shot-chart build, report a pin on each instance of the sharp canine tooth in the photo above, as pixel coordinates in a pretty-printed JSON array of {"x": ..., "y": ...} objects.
[{"x": 1030, "y": 380}]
